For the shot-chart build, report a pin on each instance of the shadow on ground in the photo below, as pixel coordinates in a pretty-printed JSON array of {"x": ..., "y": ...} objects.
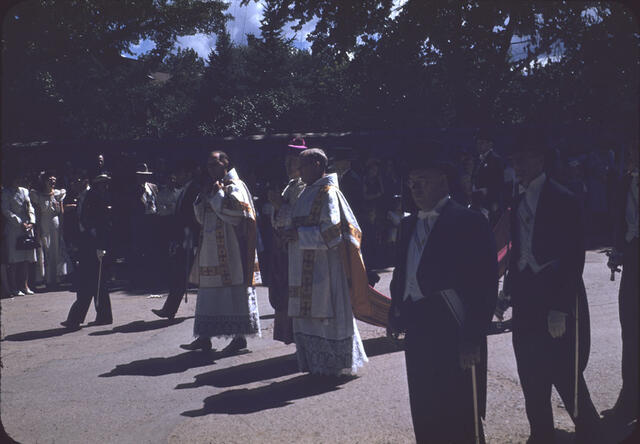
[
  {"x": 274, "y": 395},
  {"x": 140, "y": 326},
  {"x": 273, "y": 368},
  {"x": 173, "y": 364},
  {"x": 39, "y": 334}
]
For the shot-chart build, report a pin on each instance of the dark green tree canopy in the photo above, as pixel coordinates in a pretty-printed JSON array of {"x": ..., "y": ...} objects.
[{"x": 370, "y": 65}]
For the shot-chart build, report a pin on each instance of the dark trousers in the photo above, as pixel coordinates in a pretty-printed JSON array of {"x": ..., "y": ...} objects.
[
  {"x": 544, "y": 362},
  {"x": 440, "y": 392},
  {"x": 628, "y": 306},
  {"x": 180, "y": 263},
  {"x": 279, "y": 292},
  {"x": 87, "y": 287}
]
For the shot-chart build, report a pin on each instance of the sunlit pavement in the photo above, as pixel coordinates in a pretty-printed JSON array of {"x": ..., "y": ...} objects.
[{"x": 131, "y": 383}]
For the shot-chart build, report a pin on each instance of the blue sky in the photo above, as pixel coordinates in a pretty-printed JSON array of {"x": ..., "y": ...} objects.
[{"x": 246, "y": 20}]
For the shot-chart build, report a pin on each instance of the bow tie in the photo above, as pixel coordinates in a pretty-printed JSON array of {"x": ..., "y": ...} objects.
[{"x": 427, "y": 214}]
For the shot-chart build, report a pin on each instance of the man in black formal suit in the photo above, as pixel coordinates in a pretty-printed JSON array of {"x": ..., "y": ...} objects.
[
  {"x": 184, "y": 236},
  {"x": 445, "y": 246},
  {"x": 94, "y": 256},
  {"x": 545, "y": 286},
  {"x": 488, "y": 179},
  {"x": 625, "y": 253}
]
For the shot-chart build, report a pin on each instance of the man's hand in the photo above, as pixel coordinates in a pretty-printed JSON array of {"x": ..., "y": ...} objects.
[
  {"x": 469, "y": 355},
  {"x": 289, "y": 235},
  {"x": 557, "y": 323},
  {"x": 27, "y": 225},
  {"x": 502, "y": 305},
  {"x": 100, "y": 253},
  {"x": 615, "y": 259},
  {"x": 217, "y": 186}
]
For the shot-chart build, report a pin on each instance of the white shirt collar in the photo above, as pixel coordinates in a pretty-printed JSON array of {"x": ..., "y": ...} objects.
[
  {"x": 533, "y": 190},
  {"x": 435, "y": 211}
]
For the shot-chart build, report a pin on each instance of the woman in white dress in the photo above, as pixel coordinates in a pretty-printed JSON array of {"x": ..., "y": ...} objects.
[
  {"x": 48, "y": 204},
  {"x": 19, "y": 218}
]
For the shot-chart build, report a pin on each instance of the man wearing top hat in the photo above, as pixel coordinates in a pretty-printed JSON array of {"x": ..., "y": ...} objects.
[
  {"x": 94, "y": 256},
  {"x": 443, "y": 292},
  {"x": 547, "y": 292}
]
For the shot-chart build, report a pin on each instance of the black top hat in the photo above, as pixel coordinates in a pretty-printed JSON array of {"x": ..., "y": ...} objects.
[
  {"x": 432, "y": 155},
  {"x": 530, "y": 140}
]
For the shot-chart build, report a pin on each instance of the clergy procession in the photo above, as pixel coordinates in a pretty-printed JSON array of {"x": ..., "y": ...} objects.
[{"x": 515, "y": 246}]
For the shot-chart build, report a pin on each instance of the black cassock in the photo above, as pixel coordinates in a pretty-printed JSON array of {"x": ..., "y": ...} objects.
[{"x": 460, "y": 254}]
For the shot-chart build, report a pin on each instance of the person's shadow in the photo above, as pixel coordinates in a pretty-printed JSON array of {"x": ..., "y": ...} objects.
[
  {"x": 140, "y": 326},
  {"x": 275, "y": 367},
  {"x": 173, "y": 364},
  {"x": 274, "y": 395},
  {"x": 39, "y": 334}
]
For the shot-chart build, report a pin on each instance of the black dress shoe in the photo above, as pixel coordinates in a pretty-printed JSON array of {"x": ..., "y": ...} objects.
[
  {"x": 200, "y": 343},
  {"x": 162, "y": 314},
  {"x": 70, "y": 325},
  {"x": 236, "y": 344}
]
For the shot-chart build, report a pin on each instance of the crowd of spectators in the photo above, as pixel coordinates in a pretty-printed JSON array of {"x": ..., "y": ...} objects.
[{"x": 43, "y": 206}]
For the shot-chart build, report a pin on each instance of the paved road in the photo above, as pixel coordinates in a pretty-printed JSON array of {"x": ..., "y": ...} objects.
[{"x": 130, "y": 383}]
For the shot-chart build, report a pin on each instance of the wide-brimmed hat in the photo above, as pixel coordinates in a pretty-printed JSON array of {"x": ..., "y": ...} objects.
[
  {"x": 143, "y": 169},
  {"x": 297, "y": 144},
  {"x": 431, "y": 154}
]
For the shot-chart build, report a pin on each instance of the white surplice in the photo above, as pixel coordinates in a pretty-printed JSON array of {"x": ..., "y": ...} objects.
[
  {"x": 325, "y": 331},
  {"x": 226, "y": 264}
]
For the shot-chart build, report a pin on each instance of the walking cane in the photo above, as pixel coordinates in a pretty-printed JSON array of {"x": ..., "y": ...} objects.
[
  {"x": 186, "y": 273},
  {"x": 475, "y": 403},
  {"x": 99, "y": 278},
  {"x": 575, "y": 383}
]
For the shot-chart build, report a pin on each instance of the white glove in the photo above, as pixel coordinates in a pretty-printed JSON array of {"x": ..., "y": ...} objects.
[
  {"x": 557, "y": 323},
  {"x": 101, "y": 253}
]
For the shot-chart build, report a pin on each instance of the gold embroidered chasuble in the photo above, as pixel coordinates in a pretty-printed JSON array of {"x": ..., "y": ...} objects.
[
  {"x": 227, "y": 248},
  {"x": 325, "y": 225}
]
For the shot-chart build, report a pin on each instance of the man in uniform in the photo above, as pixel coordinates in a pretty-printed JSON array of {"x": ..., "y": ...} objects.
[
  {"x": 443, "y": 292},
  {"x": 94, "y": 256}
]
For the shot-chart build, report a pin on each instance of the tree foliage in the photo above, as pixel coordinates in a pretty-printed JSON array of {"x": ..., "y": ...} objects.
[{"x": 371, "y": 64}]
